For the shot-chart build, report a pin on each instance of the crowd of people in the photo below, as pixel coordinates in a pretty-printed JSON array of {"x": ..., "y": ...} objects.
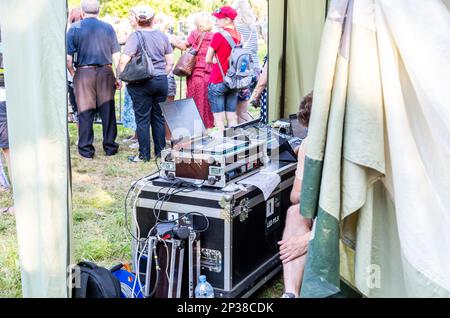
[{"x": 96, "y": 60}]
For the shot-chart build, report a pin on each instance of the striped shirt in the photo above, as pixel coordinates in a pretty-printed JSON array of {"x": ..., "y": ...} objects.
[{"x": 250, "y": 41}]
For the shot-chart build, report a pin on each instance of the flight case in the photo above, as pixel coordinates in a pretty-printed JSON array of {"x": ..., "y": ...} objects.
[{"x": 239, "y": 252}]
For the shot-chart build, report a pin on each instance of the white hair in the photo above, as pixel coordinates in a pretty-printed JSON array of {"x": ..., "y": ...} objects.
[
  {"x": 204, "y": 22},
  {"x": 90, "y": 6},
  {"x": 245, "y": 13}
]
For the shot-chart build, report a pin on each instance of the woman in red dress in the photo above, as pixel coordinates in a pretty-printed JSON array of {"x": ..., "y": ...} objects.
[{"x": 197, "y": 83}]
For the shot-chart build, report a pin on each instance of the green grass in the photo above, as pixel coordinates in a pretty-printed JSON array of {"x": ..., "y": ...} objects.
[
  {"x": 9, "y": 267},
  {"x": 99, "y": 189}
]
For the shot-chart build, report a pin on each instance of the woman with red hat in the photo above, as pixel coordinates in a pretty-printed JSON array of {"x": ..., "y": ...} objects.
[{"x": 222, "y": 99}]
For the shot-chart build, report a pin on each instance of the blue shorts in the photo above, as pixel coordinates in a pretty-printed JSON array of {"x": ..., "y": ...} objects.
[{"x": 222, "y": 99}]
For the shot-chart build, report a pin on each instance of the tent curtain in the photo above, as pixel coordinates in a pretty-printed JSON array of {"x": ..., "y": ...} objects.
[
  {"x": 377, "y": 176},
  {"x": 276, "y": 19},
  {"x": 304, "y": 30},
  {"x": 305, "y": 21},
  {"x": 34, "y": 58}
]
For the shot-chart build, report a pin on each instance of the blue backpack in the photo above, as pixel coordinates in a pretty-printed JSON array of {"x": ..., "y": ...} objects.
[{"x": 241, "y": 69}]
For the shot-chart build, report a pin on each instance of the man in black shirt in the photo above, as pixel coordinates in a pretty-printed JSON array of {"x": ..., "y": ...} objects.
[{"x": 92, "y": 46}]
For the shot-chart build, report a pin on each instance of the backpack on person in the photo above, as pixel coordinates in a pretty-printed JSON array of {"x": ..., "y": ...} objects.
[
  {"x": 95, "y": 282},
  {"x": 241, "y": 69},
  {"x": 140, "y": 67}
]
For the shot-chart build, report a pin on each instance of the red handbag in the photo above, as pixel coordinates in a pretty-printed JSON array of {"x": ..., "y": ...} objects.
[{"x": 186, "y": 63}]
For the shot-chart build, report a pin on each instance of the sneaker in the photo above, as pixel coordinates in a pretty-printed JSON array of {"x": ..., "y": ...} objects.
[
  {"x": 136, "y": 159},
  {"x": 128, "y": 140},
  {"x": 134, "y": 146},
  {"x": 289, "y": 295}
]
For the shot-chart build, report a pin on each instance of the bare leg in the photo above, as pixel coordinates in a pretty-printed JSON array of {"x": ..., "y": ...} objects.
[
  {"x": 242, "y": 112},
  {"x": 219, "y": 121},
  {"x": 299, "y": 229},
  {"x": 232, "y": 119}
]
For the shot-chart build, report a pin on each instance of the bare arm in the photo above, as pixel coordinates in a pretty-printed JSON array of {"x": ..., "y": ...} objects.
[
  {"x": 124, "y": 60},
  {"x": 262, "y": 84},
  {"x": 169, "y": 63},
  {"x": 116, "y": 60},
  {"x": 210, "y": 56},
  {"x": 297, "y": 188},
  {"x": 70, "y": 65},
  {"x": 176, "y": 42}
]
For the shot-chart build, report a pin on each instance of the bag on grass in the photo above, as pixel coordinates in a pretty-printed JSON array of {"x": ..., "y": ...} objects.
[{"x": 96, "y": 282}]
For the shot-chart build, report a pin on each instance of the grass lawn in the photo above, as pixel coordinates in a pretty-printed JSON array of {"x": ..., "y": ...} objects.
[{"x": 99, "y": 234}]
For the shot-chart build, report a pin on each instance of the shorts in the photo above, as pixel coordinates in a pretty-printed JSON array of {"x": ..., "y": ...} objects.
[
  {"x": 172, "y": 85},
  {"x": 222, "y": 99}
]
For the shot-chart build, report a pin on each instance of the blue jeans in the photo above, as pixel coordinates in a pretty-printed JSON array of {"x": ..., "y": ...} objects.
[
  {"x": 146, "y": 97},
  {"x": 222, "y": 99}
]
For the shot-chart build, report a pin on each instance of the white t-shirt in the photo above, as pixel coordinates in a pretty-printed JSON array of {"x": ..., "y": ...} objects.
[{"x": 2, "y": 95}]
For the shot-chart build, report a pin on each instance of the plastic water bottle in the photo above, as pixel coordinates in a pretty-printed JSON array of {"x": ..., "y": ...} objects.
[
  {"x": 244, "y": 65},
  {"x": 204, "y": 289}
]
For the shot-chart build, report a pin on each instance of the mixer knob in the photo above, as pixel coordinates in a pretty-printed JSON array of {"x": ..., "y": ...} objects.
[{"x": 212, "y": 180}]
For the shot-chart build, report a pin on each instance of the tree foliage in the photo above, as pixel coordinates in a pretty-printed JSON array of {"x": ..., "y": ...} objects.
[{"x": 176, "y": 8}]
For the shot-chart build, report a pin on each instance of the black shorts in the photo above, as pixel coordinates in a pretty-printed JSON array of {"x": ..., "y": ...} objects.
[{"x": 4, "y": 144}]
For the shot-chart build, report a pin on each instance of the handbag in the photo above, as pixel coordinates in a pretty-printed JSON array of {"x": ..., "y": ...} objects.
[
  {"x": 140, "y": 68},
  {"x": 186, "y": 63}
]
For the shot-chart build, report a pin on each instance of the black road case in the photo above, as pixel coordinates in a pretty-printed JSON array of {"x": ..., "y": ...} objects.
[{"x": 239, "y": 251}]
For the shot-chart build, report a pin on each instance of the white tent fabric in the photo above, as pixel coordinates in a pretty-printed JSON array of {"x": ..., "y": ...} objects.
[
  {"x": 33, "y": 35},
  {"x": 377, "y": 176},
  {"x": 415, "y": 70}
]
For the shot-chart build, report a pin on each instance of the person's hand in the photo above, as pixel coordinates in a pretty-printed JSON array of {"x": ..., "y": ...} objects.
[
  {"x": 254, "y": 103},
  {"x": 294, "y": 247},
  {"x": 118, "y": 85}
]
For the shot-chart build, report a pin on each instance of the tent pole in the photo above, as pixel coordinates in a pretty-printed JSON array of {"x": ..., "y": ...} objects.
[{"x": 283, "y": 61}]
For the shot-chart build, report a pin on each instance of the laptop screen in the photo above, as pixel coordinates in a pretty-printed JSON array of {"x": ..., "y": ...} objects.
[{"x": 183, "y": 119}]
